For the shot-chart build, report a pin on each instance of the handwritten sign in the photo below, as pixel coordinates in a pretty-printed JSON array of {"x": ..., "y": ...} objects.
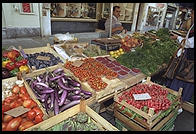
[
  {"x": 144, "y": 96},
  {"x": 77, "y": 63},
  {"x": 15, "y": 112},
  {"x": 43, "y": 58}
]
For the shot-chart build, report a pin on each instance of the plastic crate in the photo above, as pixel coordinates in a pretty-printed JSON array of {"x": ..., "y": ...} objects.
[{"x": 106, "y": 47}]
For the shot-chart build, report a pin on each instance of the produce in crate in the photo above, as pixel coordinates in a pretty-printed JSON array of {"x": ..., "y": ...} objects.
[
  {"x": 57, "y": 91},
  {"x": 12, "y": 63},
  {"x": 121, "y": 70},
  {"x": 19, "y": 97},
  {"x": 117, "y": 53},
  {"x": 93, "y": 51},
  {"x": 91, "y": 71},
  {"x": 160, "y": 98},
  {"x": 130, "y": 42},
  {"x": 41, "y": 63}
]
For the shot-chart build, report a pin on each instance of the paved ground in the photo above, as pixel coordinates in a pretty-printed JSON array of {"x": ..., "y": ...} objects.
[{"x": 184, "y": 121}]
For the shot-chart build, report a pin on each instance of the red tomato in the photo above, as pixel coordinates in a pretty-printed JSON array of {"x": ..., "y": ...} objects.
[
  {"x": 15, "y": 104},
  {"x": 14, "y": 124},
  {"x": 38, "y": 118},
  {"x": 29, "y": 103},
  {"x": 7, "y": 118},
  {"x": 5, "y": 108},
  {"x": 38, "y": 111},
  {"x": 31, "y": 114},
  {"x": 23, "y": 90},
  {"x": 25, "y": 96},
  {"x": 25, "y": 125},
  {"x": 15, "y": 89},
  {"x": 24, "y": 120},
  {"x": 24, "y": 115},
  {"x": 4, "y": 125}
]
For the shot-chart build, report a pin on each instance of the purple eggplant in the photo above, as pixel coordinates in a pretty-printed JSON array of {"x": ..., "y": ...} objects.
[
  {"x": 42, "y": 84},
  {"x": 60, "y": 83},
  {"x": 77, "y": 92},
  {"x": 86, "y": 92},
  {"x": 46, "y": 91},
  {"x": 58, "y": 70},
  {"x": 52, "y": 99},
  {"x": 63, "y": 97},
  {"x": 74, "y": 83},
  {"x": 57, "y": 77},
  {"x": 56, "y": 106},
  {"x": 75, "y": 97},
  {"x": 71, "y": 104},
  {"x": 45, "y": 103}
]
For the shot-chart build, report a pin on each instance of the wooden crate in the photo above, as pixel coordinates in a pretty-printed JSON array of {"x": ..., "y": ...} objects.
[
  {"x": 82, "y": 107},
  {"x": 43, "y": 49},
  {"x": 137, "y": 126},
  {"x": 13, "y": 79},
  {"x": 90, "y": 101},
  {"x": 151, "y": 119},
  {"x": 108, "y": 92}
]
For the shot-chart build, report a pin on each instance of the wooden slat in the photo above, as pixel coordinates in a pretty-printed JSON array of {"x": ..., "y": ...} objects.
[
  {"x": 128, "y": 122},
  {"x": 188, "y": 106},
  {"x": 44, "y": 125},
  {"x": 100, "y": 119}
]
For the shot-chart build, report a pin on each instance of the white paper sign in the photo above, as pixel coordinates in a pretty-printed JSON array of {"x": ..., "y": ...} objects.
[{"x": 144, "y": 96}]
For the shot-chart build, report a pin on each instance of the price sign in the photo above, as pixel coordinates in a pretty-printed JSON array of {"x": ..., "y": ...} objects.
[{"x": 144, "y": 96}]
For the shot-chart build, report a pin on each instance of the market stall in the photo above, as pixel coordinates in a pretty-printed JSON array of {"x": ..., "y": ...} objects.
[{"x": 58, "y": 87}]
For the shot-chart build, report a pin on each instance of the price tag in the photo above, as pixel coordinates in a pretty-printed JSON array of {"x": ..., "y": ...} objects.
[
  {"x": 17, "y": 111},
  {"x": 144, "y": 96},
  {"x": 77, "y": 63},
  {"x": 43, "y": 58}
]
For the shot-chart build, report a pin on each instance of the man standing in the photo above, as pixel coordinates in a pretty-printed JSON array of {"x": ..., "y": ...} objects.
[{"x": 116, "y": 24}]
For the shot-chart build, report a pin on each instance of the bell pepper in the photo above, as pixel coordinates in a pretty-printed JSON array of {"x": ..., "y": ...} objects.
[
  {"x": 5, "y": 53},
  {"x": 5, "y": 61},
  {"x": 19, "y": 58},
  {"x": 24, "y": 69},
  {"x": 14, "y": 72},
  {"x": 17, "y": 54},
  {"x": 11, "y": 55},
  {"x": 10, "y": 66},
  {"x": 18, "y": 64}
]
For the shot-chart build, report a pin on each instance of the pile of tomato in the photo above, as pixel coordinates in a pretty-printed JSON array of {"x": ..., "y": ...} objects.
[
  {"x": 20, "y": 97},
  {"x": 91, "y": 71},
  {"x": 158, "y": 101}
]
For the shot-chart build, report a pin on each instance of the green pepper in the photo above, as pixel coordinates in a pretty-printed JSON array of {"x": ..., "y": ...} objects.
[
  {"x": 19, "y": 58},
  {"x": 14, "y": 72}
]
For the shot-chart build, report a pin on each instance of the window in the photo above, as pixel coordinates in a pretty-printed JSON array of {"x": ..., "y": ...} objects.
[
  {"x": 26, "y": 8},
  {"x": 73, "y": 10}
]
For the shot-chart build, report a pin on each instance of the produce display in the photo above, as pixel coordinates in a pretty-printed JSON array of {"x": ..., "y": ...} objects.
[
  {"x": 160, "y": 98},
  {"x": 12, "y": 63},
  {"x": 91, "y": 71},
  {"x": 130, "y": 42},
  {"x": 79, "y": 122},
  {"x": 57, "y": 91},
  {"x": 20, "y": 97},
  {"x": 121, "y": 70},
  {"x": 93, "y": 51},
  {"x": 152, "y": 55},
  {"x": 117, "y": 53},
  {"x": 39, "y": 63}
]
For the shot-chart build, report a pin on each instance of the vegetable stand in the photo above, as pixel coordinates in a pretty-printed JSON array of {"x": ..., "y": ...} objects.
[
  {"x": 82, "y": 107},
  {"x": 60, "y": 94},
  {"x": 19, "y": 97},
  {"x": 145, "y": 120}
]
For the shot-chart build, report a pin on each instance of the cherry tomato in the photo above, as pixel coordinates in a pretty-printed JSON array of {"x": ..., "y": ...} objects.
[
  {"x": 5, "y": 108},
  {"x": 29, "y": 103},
  {"x": 14, "y": 124},
  {"x": 31, "y": 114}
]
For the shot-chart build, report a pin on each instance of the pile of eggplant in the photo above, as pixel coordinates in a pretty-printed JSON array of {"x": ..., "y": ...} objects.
[
  {"x": 57, "y": 91},
  {"x": 33, "y": 61},
  {"x": 79, "y": 122}
]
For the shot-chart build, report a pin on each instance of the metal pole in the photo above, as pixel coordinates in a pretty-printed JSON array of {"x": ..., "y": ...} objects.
[{"x": 111, "y": 14}]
